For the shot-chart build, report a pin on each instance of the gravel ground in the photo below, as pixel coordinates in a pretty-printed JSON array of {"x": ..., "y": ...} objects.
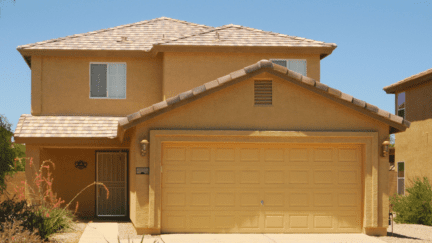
[
  {"x": 404, "y": 233},
  {"x": 71, "y": 236}
]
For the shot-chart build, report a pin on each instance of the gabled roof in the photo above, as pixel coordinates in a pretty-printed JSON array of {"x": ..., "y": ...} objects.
[
  {"x": 140, "y": 36},
  {"x": 397, "y": 123},
  {"x": 67, "y": 126},
  {"x": 408, "y": 82},
  {"x": 237, "y": 35}
]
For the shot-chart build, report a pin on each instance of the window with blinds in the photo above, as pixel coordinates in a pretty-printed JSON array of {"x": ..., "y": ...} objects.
[
  {"x": 296, "y": 65},
  {"x": 108, "y": 80},
  {"x": 263, "y": 93}
]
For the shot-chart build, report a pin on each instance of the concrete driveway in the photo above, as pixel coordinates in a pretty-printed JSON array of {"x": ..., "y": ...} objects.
[{"x": 267, "y": 238}]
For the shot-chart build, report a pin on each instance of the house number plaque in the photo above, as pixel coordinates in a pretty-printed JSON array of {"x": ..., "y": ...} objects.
[{"x": 142, "y": 170}]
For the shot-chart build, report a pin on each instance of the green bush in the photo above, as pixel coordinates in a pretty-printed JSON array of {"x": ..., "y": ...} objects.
[
  {"x": 50, "y": 221},
  {"x": 416, "y": 206}
]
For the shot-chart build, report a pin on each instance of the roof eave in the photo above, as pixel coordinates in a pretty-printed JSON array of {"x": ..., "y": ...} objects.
[
  {"x": 26, "y": 58},
  {"x": 403, "y": 85},
  {"x": 323, "y": 51}
]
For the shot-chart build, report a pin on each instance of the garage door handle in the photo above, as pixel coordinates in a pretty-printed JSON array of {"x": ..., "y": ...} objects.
[{"x": 262, "y": 202}]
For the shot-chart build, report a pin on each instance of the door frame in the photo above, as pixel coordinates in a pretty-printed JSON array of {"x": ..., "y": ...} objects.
[{"x": 126, "y": 217}]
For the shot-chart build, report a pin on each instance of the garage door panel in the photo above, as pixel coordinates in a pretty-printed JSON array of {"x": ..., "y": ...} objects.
[
  {"x": 251, "y": 188},
  {"x": 299, "y": 176}
]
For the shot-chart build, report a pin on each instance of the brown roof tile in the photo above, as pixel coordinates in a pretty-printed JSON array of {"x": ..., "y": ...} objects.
[{"x": 290, "y": 76}]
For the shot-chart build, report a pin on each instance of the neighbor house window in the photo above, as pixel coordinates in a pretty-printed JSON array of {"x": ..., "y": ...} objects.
[
  {"x": 401, "y": 104},
  {"x": 401, "y": 178},
  {"x": 296, "y": 65},
  {"x": 108, "y": 80}
]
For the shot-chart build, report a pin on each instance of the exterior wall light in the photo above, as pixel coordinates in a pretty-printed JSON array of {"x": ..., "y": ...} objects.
[
  {"x": 385, "y": 148},
  {"x": 144, "y": 147}
]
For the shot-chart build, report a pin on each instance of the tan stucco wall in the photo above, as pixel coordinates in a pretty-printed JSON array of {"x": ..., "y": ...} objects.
[
  {"x": 61, "y": 85},
  {"x": 185, "y": 71},
  {"x": 69, "y": 181},
  {"x": 414, "y": 148},
  {"x": 294, "y": 109},
  {"x": 418, "y": 102}
]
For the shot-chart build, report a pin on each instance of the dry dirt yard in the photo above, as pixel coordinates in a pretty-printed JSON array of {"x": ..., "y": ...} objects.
[{"x": 404, "y": 233}]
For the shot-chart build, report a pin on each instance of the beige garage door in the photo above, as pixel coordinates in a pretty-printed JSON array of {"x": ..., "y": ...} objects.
[{"x": 243, "y": 187}]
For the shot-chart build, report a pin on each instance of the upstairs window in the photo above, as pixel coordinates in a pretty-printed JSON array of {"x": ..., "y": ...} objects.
[
  {"x": 296, "y": 65},
  {"x": 108, "y": 80},
  {"x": 401, "y": 104}
]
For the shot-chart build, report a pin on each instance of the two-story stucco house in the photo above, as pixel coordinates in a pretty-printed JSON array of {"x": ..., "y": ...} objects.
[
  {"x": 202, "y": 129},
  {"x": 413, "y": 101}
]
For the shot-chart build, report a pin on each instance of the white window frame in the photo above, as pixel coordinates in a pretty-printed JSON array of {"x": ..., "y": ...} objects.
[
  {"x": 287, "y": 59},
  {"x": 397, "y": 173},
  {"x": 107, "y": 81}
]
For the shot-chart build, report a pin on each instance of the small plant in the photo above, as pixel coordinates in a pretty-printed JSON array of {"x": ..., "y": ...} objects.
[
  {"x": 416, "y": 207},
  {"x": 45, "y": 214}
]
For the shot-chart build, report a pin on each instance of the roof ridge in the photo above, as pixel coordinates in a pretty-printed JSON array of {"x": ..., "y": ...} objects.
[
  {"x": 283, "y": 72},
  {"x": 109, "y": 29}
]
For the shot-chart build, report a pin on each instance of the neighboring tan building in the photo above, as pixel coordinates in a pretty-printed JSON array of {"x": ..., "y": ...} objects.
[
  {"x": 193, "y": 129},
  {"x": 413, "y": 101}
]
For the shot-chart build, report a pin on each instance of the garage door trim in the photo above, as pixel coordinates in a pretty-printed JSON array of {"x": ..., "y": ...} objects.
[{"x": 369, "y": 140}]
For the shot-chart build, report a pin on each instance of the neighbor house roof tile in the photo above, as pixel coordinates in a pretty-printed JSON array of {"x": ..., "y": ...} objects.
[
  {"x": 409, "y": 82},
  {"x": 67, "y": 126}
]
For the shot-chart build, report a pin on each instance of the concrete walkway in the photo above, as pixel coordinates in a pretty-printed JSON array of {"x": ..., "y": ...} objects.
[
  {"x": 107, "y": 232},
  {"x": 269, "y": 238}
]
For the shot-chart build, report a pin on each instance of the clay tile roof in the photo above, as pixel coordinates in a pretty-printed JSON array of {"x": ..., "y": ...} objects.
[
  {"x": 408, "y": 82},
  {"x": 236, "y": 35},
  {"x": 264, "y": 65},
  {"x": 140, "y": 36},
  {"x": 67, "y": 126},
  {"x": 166, "y": 31}
]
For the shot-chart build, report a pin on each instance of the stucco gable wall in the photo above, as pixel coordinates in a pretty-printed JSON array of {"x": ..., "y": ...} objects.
[
  {"x": 187, "y": 70},
  {"x": 294, "y": 108}
]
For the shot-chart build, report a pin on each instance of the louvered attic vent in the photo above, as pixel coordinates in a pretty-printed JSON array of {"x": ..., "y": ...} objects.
[{"x": 263, "y": 92}]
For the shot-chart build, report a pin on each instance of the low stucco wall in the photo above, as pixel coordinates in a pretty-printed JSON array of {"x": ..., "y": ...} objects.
[{"x": 12, "y": 182}]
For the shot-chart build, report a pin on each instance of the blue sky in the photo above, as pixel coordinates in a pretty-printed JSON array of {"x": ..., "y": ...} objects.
[{"x": 379, "y": 42}]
